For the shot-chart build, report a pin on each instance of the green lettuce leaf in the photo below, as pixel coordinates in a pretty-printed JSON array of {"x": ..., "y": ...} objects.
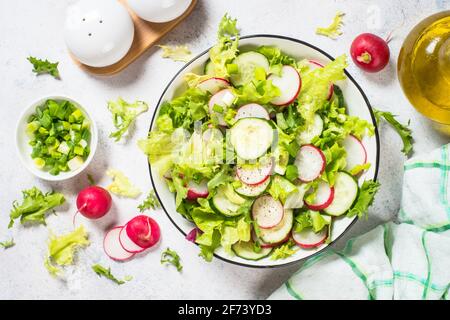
[
  {"x": 365, "y": 198},
  {"x": 101, "y": 271},
  {"x": 121, "y": 185},
  {"x": 44, "y": 66},
  {"x": 176, "y": 53},
  {"x": 258, "y": 91},
  {"x": 151, "y": 202},
  {"x": 280, "y": 188},
  {"x": 336, "y": 160},
  {"x": 403, "y": 131},
  {"x": 7, "y": 244},
  {"x": 334, "y": 29},
  {"x": 171, "y": 257},
  {"x": 124, "y": 114},
  {"x": 284, "y": 251}
]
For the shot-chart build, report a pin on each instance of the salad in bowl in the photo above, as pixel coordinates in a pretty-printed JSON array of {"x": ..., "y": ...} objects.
[{"x": 255, "y": 153}]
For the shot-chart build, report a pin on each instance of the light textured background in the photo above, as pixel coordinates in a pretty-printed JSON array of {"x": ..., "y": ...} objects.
[{"x": 35, "y": 28}]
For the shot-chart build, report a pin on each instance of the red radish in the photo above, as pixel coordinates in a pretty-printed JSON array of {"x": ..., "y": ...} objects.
[
  {"x": 308, "y": 239},
  {"x": 370, "y": 52},
  {"x": 324, "y": 197},
  {"x": 127, "y": 244},
  {"x": 267, "y": 212},
  {"x": 112, "y": 247},
  {"x": 310, "y": 162},
  {"x": 289, "y": 84},
  {"x": 255, "y": 175},
  {"x": 213, "y": 85},
  {"x": 224, "y": 98},
  {"x": 313, "y": 64},
  {"x": 192, "y": 235},
  {"x": 268, "y": 245},
  {"x": 196, "y": 190},
  {"x": 94, "y": 202},
  {"x": 356, "y": 152},
  {"x": 143, "y": 231},
  {"x": 252, "y": 110}
]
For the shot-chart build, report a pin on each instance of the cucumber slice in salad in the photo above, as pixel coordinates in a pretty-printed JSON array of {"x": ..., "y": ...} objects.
[
  {"x": 209, "y": 68},
  {"x": 247, "y": 62},
  {"x": 278, "y": 233},
  {"x": 252, "y": 190},
  {"x": 345, "y": 193},
  {"x": 245, "y": 251},
  {"x": 251, "y": 137},
  {"x": 225, "y": 206}
]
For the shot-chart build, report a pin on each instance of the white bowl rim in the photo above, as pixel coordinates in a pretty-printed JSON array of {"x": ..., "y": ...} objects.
[
  {"x": 93, "y": 143},
  {"x": 377, "y": 140}
]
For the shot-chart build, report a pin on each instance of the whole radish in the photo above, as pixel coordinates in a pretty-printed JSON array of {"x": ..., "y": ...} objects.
[
  {"x": 94, "y": 202},
  {"x": 143, "y": 231},
  {"x": 370, "y": 52}
]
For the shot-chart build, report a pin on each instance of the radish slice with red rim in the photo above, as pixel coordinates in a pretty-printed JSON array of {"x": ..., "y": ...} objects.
[
  {"x": 252, "y": 110},
  {"x": 308, "y": 239},
  {"x": 213, "y": 85},
  {"x": 289, "y": 84},
  {"x": 267, "y": 212},
  {"x": 197, "y": 190},
  {"x": 224, "y": 98},
  {"x": 314, "y": 65},
  {"x": 324, "y": 197},
  {"x": 255, "y": 175},
  {"x": 112, "y": 246},
  {"x": 356, "y": 152},
  {"x": 268, "y": 245},
  {"x": 310, "y": 162},
  {"x": 127, "y": 244}
]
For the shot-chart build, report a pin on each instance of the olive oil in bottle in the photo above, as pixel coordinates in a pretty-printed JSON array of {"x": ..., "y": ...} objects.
[{"x": 424, "y": 68}]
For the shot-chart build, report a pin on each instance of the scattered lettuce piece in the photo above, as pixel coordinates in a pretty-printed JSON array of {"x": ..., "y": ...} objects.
[
  {"x": 176, "y": 53},
  {"x": 403, "y": 131},
  {"x": 34, "y": 206},
  {"x": 7, "y": 244},
  {"x": 359, "y": 168},
  {"x": 194, "y": 80},
  {"x": 336, "y": 160},
  {"x": 121, "y": 185},
  {"x": 61, "y": 250},
  {"x": 310, "y": 219},
  {"x": 257, "y": 91},
  {"x": 280, "y": 188},
  {"x": 44, "y": 66},
  {"x": 334, "y": 29},
  {"x": 284, "y": 251},
  {"x": 124, "y": 114},
  {"x": 151, "y": 202},
  {"x": 171, "y": 257},
  {"x": 106, "y": 272},
  {"x": 365, "y": 198}
]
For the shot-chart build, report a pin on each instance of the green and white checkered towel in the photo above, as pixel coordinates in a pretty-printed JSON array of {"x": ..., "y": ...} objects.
[{"x": 405, "y": 260}]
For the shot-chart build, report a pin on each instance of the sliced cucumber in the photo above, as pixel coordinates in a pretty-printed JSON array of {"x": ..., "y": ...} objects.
[
  {"x": 251, "y": 137},
  {"x": 252, "y": 191},
  {"x": 209, "y": 68},
  {"x": 247, "y": 62},
  {"x": 245, "y": 251},
  {"x": 345, "y": 193},
  {"x": 225, "y": 206},
  {"x": 280, "y": 231}
]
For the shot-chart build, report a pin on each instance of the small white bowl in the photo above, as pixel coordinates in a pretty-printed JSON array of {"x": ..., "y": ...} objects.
[{"x": 24, "y": 149}]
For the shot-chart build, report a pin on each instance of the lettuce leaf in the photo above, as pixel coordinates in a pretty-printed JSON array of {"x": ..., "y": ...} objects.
[
  {"x": 336, "y": 160},
  {"x": 61, "y": 250},
  {"x": 176, "y": 53},
  {"x": 365, "y": 199},
  {"x": 334, "y": 29},
  {"x": 284, "y": 251},
  {"x": 101, "y": 271},
  {"x": 258, "y": 91},
  {"x": 403, "y": 131},
  {"x": 124, "y": 114},
  {"x": 280, "y": 188},
  {"x": 121, "y": 185}
]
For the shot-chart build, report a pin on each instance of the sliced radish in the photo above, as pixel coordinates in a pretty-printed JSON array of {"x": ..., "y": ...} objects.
[
  {"x": 127, "y": 244},
  {"x": 255, "y": 175},
  {"x": 356, "y": 152},
  {"x": 268, "y": 245},
  {"x": 310, "y": 162},
  {"x": 197, "y": 190},
  {"x": 213, "y": 85},
  {"x": 314, "y": 65},
  {"x": 308, "y": 239},
  {"x": 324, "y": 197},
  {"x": 112, "y": 246},
  {"x": 252, "y": 110},
  {"x": 289, "y": 84},
  {"x": 224, "y": 98},
  {"x": 267, "y": 212}
]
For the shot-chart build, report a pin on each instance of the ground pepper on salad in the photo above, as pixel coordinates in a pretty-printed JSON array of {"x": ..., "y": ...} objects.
[{"x": 260, "y": 151}]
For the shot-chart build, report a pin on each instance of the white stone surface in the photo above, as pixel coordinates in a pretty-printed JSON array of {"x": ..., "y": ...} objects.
[{"x": 35, "y": 28}]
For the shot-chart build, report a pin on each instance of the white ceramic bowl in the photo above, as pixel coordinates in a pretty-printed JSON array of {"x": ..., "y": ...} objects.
[
  {"x": 24, "y": 149},
  {"x": 358, "y": 105},
  {"x": 98, "y": 32}
]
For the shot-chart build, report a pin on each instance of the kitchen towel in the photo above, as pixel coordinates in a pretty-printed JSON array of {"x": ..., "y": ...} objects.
[{"x": 409, "y": 259}]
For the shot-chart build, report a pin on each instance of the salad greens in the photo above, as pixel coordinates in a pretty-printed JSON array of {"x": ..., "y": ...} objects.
[
  {"x": 59, "y": 134},
  {"x": 171, "y": 257},
  {"x": 61, "y": 250},
  {"x": 44, "y": 66},
  {"x": 124, "y": 114},
  {"x": 208, "y": 141},
  {"x": 176, "y": 53},
  {"x": 34, "y": 206},
  {"x": 121, "y": 185},
  {"x": 7, "y": 244},
  {"x": 403, "y": 131},
  {"x": 334, "y": 29},
  {"x": 106, "y": 272},
  {"x": 151, "y": 202}
]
